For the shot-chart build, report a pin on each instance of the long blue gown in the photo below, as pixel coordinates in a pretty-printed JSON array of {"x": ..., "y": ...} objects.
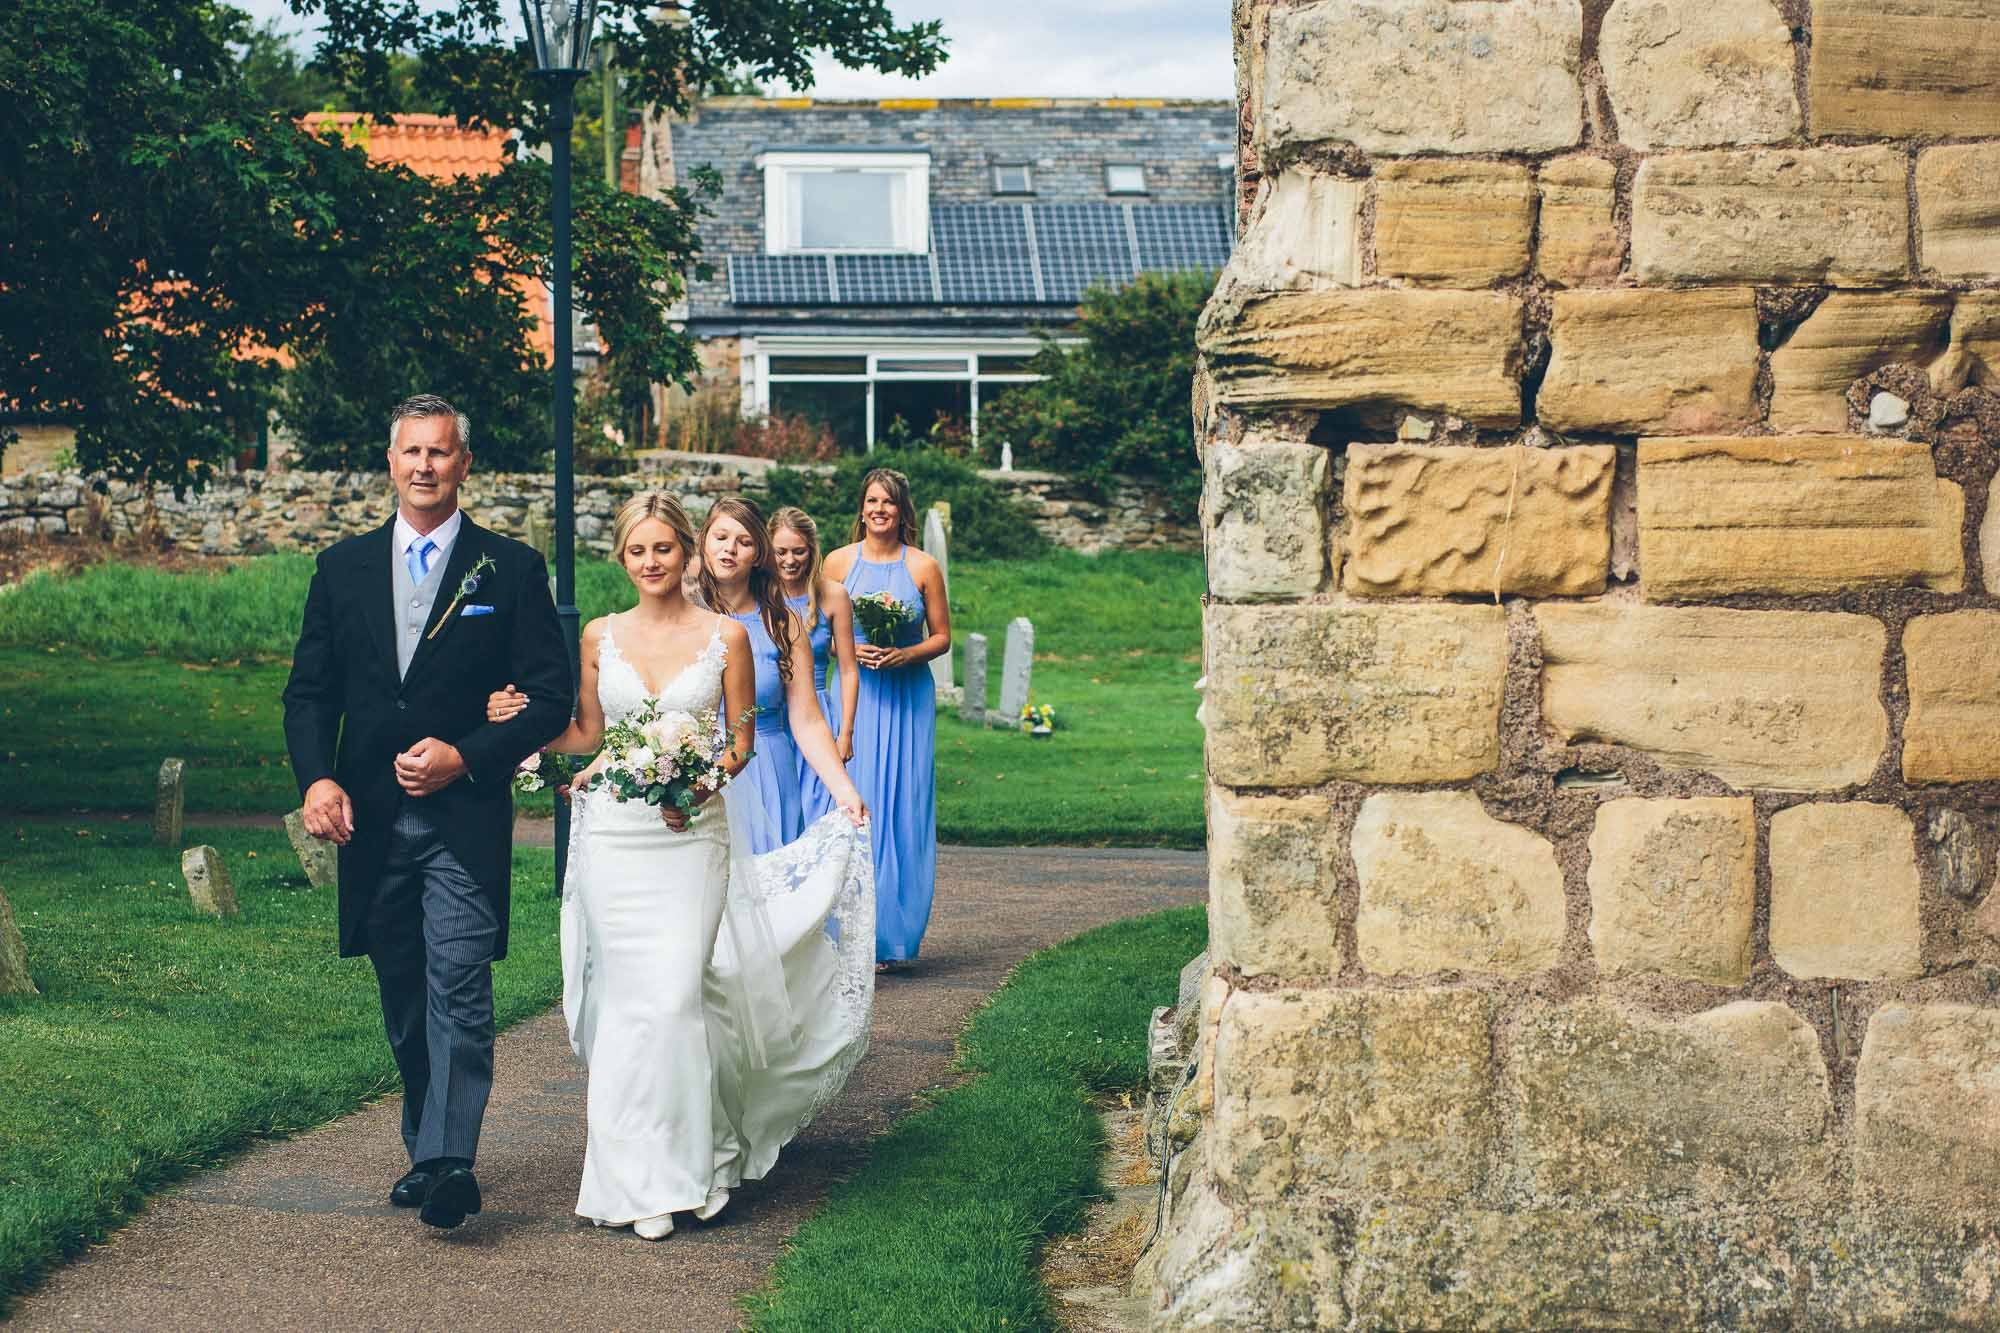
[
  {"x": 895, "y": 766},
  {"x": 814, "y": 799},
  {"x": 773, "y": 772}
]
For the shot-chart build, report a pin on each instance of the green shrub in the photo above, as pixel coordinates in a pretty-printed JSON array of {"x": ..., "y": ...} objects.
[
  {"x": 1120, "y": 404},
  {"x": 986, "y": 522}
]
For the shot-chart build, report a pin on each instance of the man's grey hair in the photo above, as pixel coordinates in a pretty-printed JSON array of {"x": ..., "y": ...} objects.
[{"x": 430, "y": 405}]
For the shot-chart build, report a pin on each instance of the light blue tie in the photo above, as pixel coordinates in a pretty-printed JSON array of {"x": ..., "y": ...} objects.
[{"x": 420, "y": 559}]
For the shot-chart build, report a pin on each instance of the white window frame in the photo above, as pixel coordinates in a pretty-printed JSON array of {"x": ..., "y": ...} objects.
[
  {"x": 758, "y": 378},
  {"x": 1027, "y": 170},
  {"x": 1145, "y": 187},
  {"x": 910, "y": 218}
]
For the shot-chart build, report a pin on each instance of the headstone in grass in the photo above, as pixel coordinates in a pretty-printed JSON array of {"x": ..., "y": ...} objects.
[
  {"x": 208, "y": 883},
  {"x": 937, "y": 541},
  {"x": 1017, "y": 670},
  {"x": 14, "y": 978},
  {"x": 319, "y": 858},
  {"x": 972, "y": 705},
  {"x": 169, "y": 803}
]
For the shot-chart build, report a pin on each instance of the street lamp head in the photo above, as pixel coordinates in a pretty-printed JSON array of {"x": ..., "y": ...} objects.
[{"x": 559, "y": 30}]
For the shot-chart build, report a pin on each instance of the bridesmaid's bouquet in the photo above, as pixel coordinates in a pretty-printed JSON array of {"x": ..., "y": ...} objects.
[
  {"x": 881, "y": 616},
  {"x": 665, "y": 757}
]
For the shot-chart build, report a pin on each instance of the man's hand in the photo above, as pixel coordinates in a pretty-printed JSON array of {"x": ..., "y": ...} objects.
[
  {"x": 429, "y": 766},
  {"x": 328, "y": 813}
]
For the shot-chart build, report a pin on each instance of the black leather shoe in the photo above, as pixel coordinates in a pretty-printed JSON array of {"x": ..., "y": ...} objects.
[
  {"x": 410, "y": 1191},
  {"x": 453, "y": 1197}
]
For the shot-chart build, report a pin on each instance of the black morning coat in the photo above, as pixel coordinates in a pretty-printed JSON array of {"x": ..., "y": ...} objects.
[{"x": 347, "y": 715}]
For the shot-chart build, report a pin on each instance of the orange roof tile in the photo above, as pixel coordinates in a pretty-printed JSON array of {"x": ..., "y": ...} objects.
[{"x": 434, "y": 146}]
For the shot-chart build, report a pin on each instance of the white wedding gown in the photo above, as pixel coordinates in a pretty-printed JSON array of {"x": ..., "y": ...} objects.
[{"x": 719, "y": 999}]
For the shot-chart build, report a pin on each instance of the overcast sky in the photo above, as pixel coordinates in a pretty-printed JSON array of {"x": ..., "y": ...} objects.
[{"x": 1036, "y": 48}]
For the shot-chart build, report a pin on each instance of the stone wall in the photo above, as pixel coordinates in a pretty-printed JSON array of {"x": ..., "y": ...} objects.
[
  {"x": 1603, "y": 674},
  {"x": 252, "y": 513}
]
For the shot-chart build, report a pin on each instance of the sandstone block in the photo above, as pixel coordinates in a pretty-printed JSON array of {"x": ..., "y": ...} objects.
[
  {"x": 1306, "y": 237},
  {"x": 1989, "y": 538},
  {"x": 1694, "y": 76},
  {"x": 1973, "y": 354},
  {"x": 1270, "y": 1266},
  {"x": 1377, "y": 1091},
  {"x": 209, "y": 888},
  {"x": 1953, "y": 732},
  {"x": 1446, "y": 887},
  {"x": 1958, "y": 210},
  {"x": 1274, "y": 904},
  {"x": 1453, "y": 223},
  {"x": 1368, "y": 693},
  {"x": 1457, "y": 352},
  {"x": 1673, "y": 886},
  {"x": 14, "y": 978},
  {"x": 1728, "y": 1105},
  {"x": 1580, "y": 242},
  {"x": 1266, "y": 523},
  {"x": 1781, "y": 699},
  {"x": 1415, "y": 76},
  {"x": 1838, "y": 215},
  {"x": 319, "y": 858},
  {"x": 1905, "y": 67},
  {"x": 1844, "y": 892},
  {"x": 1927, "y": 1108},
  {"x": 1795, "y": 514},
  {"x": 1645, "y": 362},
  {"x": 1432, "y": 521},
  {"x": 1848, "y": 336}
]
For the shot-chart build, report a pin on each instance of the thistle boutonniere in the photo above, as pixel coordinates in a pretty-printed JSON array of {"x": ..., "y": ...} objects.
[{"x": 466, "y": 587}]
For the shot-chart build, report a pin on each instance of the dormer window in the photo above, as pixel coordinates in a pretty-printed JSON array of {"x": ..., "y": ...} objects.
[
  {"x": 832, "y": 202},
  {"x": 1124, "y": 178},
  {"x": 1014, "y": 178}
]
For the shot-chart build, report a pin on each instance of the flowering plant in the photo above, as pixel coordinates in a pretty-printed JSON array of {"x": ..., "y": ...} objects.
[
  {"x": 544, "y": 768},
  {"x": 881, "y": 616},
  {"x": 1038, "y": 719},
  {"x": 666, "y": 757}
]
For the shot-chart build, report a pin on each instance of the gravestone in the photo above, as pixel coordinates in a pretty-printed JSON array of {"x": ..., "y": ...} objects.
[
  {"x": 937, "y": 542},
  {"x": 14, "y": 978},
  {"x": 319, "y": 858},
  {"x": 1017, "y": 669},
  {"x": 535, "y": 532},
  {"x": 208, "y": 883},
  {"x": 972, "y": 705},
  {"x": 169, "y": 803}
]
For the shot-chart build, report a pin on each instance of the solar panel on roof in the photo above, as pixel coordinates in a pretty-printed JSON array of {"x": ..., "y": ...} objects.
[
  {"x": 1081, "y": 245},
  {"x": 1179, "y": 237},
  {"x": 982, "y": 254},
  {"x": 884, "y": 279},
  {"x": 779, "y": 280}
]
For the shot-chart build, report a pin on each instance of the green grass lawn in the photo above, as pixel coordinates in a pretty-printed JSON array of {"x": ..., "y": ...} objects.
[
  {"x": 105, "y": 673},
  {"x": 942, "y": 1228},
  {"x": 163, "y": 1039}
]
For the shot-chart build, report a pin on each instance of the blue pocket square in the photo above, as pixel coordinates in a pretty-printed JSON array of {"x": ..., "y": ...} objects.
[{"x": 474, "y": 609}]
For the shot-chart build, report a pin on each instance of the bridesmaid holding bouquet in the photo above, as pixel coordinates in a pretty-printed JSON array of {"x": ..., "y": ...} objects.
[
  {"x": 901, "y": 622},
  {"x": 823, "y": 605}
]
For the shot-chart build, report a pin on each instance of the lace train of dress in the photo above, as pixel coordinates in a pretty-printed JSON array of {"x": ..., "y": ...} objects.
[{"x": 720, "y": 999}]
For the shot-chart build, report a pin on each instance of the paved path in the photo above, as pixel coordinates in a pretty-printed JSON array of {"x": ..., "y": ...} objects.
[{"x": 298, "y": 1233}]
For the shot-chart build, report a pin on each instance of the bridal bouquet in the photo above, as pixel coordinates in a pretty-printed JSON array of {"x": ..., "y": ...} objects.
[
  {"x": 665, "y": 757},
  {"x": 881, "y": 616}
]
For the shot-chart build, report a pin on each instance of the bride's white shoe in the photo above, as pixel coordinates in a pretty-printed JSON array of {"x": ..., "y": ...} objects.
[
  {"x": 654, "y": 1228},
  {"x": 717, "y": 1200}
]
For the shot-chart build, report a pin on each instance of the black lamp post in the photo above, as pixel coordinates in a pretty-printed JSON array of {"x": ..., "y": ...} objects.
[{"x": 560, "y": 33}]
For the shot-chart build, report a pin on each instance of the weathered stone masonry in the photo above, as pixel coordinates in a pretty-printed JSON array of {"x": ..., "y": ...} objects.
[{"x": 1603, "y": 716}]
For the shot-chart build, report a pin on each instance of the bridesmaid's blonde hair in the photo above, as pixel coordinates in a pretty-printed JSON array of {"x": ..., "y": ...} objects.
[
  {"x": 652, "y": 504},
  {"x": 799, "y": 521}
]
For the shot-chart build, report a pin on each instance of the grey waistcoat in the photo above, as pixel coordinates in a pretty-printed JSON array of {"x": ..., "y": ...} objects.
[{"x": 413, "y": 602}]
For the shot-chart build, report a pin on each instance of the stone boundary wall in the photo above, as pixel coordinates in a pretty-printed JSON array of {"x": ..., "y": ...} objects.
[
  {"x": 252, "y": 513},
  {"x": 1603, "y": 674}
]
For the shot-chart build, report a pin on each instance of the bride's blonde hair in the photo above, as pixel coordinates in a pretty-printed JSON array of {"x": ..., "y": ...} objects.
[
  {"x": 799, "y": 521},
  {"x": 652, "y": 504}
]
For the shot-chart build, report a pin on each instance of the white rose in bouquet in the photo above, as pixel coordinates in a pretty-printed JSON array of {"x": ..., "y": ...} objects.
[{"x": 669, "y": 731}]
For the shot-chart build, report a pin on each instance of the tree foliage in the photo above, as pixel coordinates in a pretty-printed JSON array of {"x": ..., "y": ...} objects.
[
  {"x": 986, "y": 522},
  {"x": 168, "y": 227},
  {"x": 1121, "y": 403}
]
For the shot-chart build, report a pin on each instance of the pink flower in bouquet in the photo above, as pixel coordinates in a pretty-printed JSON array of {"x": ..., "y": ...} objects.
[{"x": 667, "y": 733}]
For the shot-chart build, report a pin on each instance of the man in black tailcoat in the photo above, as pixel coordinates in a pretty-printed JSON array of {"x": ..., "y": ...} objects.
[{"x": 407, "y": 629}]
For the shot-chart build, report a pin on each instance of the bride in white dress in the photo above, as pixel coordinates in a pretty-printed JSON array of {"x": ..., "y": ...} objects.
[{"x": 720, "y": 1000}]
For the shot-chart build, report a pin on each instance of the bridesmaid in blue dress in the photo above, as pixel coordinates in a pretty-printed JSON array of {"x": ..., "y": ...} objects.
[
  {"x": 895, "y": 731},
  {"x": 739, "y": 579},
  {"x": 824, "y": 605}
]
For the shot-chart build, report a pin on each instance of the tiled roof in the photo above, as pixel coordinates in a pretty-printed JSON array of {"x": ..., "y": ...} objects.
[
  {"x": 954, "y": 103},
  {"x": 435, "y": 146}
]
